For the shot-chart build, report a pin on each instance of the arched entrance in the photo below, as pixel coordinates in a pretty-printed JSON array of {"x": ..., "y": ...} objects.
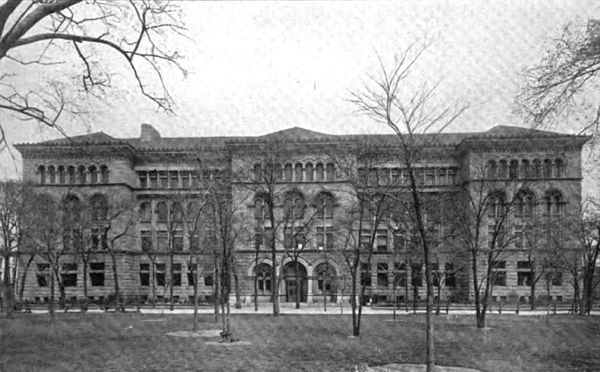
[
  {"x": 296, "y": 282},
  {"x": 324, "y": 283}
]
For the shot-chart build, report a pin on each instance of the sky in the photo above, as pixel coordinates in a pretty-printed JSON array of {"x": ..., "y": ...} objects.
[{"x": 258, "y": 67}]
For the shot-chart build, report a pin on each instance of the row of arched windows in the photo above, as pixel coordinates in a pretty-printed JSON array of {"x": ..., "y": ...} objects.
[
  {"x": 400, "y": 176},
  {"x": 295, "y": 172},
  {"x": 166, "y": 212},
  {"x": 527, "y": 204},
  {"x": 524, "y": 168},
  {"x": 294, "y": 206},
  {"x": 72, "y": 175}
]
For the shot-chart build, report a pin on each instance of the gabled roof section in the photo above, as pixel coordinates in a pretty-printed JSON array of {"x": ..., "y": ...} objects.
[
  {"x": 92, "y": 138},
  {"x": 296, "y": 133}
]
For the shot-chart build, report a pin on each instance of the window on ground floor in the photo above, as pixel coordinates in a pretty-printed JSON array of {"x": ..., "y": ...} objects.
[
  {"x": 382, "y": 275},
  {"x": 144, "y": 274},
  {"x": 43, "y": 274},
  {"x": 176, "y": 275},
  {"x": 499, "y": 273},
  {"x": 160, "y": 274},
  {"x": 68, "y": 274},
  {"x": 97, "y": 274}
]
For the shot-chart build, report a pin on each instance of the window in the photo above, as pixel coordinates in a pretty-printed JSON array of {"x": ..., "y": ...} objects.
[
  {"x": 93, "y": 174},
  {"x": 177, "y": 212},
  {"x": 61, "y": 175},
  {"x": 259, "y": 209},
  {"x": 178, "y": 241},
  {"x": 513, "y": 169},
  {"x": 450, "y": 275},
  {"x": 452, "y": 176},
  {"x": 325, "y": 274},
  {"x": 559, "y": 169},
  {"x": 519, "y": 236},
  {"x": 365, "y": 239},
  {"x": 144, "y": 274},
  {"x": 145, "y": 212},
  {"x": 173, "y": 179},
  {"x": 143, "y": 177},
  {"x": 499, "y": 273},
  {"x": 81, "y": 174},
  {"x": 162, "y": 241},
  {"x": 320, "y": 172},
  {"x": 164, "y": 179},
  {"x": 52, "y": 174},
  {"x": 382, "y": 275},
  {"x": 99, "y": 238},
  {"x": 104, "y": 173},
  {"x": 330, "y": 172},
  {"x": 298, "y": 172},
  {"x": 502, "y": 169},
  {"x": 191, "y": 274},
  {"x": 288, "y": 173},
  {"x": 97, "y": 274},
  {"x": 557, "y": 278},
  {"x": 536, "y": 169},
  {"x": 524, "y": 273},
  {"x": 554, "y": 204},
  {"x": 365, "y": 275},
  {"x": 99, "y": 206},
  {"x": 209, "y": 280},
  {"x": 287, "y": 238},
  {"x": 525, "y": 169},
  {"x": 68, "y": 274},
  {"x": 154, "y": 179},
  {"x": 161, "y": 212},
  {"x": 430, "y": 176},
  {"x": 43, "y": 274},
  {"x": 185, "y": 179},
  {"x": 362, "y": 176},
  {"x": 160, "y": 274},
  {"x": 146, "y": 241},
  {"x": 263, "y": 278},
  {"x": 435, "y": 274},
  {"x": 194, "y": 242},
  {"x": 268, "y": 237},
  {"x": 195, "y": 180},
  {"x": 399, "y": 274},
  {"x": 547, "y": 169},
  {"x": 396, "y": 176},
  {"x": 258, "y": 238},
  {"x": 382, "y": 241},
  {"x": 373, "y": 177},
  {"x": 309, "y": 172},
  {"x": 299, "y": 238},
  {"x": 492, "y": 169},
  {"x": 416, "y": 275},
  {"x": 42, "y": 174},
  {"x": 71, "y": 171},
  {"x": 399, "y": 240},
  {"x": 176, "y": 280},
  {"x": 299, "y": 208},
  {"x": 325, "y": 237}
]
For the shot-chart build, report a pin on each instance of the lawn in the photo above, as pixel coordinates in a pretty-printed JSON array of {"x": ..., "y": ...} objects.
[{"x": 106, "y": 342}]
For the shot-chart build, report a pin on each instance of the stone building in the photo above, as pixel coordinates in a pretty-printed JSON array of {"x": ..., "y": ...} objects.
[{"x": 157, "y": 180}]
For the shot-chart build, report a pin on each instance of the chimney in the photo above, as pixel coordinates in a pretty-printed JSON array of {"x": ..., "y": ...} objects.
[{"x": 149, "y": 133}]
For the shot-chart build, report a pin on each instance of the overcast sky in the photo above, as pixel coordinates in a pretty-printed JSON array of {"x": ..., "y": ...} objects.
[{"x": 257, "y": 67}]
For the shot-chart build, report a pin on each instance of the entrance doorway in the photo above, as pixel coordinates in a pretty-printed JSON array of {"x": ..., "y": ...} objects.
[{"x": 296, "y": 282}]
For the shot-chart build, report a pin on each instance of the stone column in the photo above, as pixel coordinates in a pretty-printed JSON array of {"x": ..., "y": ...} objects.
[{"x": 309, "y": 297}]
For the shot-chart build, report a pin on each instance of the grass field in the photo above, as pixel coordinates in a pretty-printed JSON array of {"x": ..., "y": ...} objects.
[{"x": 105, "y": 342}]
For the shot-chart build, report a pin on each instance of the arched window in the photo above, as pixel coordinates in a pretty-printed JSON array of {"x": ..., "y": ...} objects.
[
  {"x": 257, "y": 173},
  {"x": 81, "y": 174},
  {"x": 330, "y": 172},
  {"x": 263, "y": 278},
  {"x": 320, "y": 172},
  {"x": 288, "y": 208},
  {"x": 61, "y": 174},
  {"x": 547, "y": 168},
  {"x": 525, "y": 169},
  {"x": 52, "y": 174},
  {"x": 93, "y": 174},
  {"x": 294, "y": 206},
  {"x": 502, "y": 168},
  {"x": 492, "y": 169},
  {"x": 513, "y": 170},
  {"x": 324, "y": 205},
  {"x": 71, "y": 211},
  {"x": 145, "y": 212},
  {"x": 99, "y": 207},
  {"x": 326, "y": 276},
  {"x": 161, "y": 212},
  {"x": 309, "y": 172},
  {"x": 525, "y": 204},
  {"x": 536, "y": 169},
  {"x": 259, "y": 208},
  {"x": 299, "y": 207},
  {"x": 288, "y": 173},
  {"x": 554, "y": 203},
  {"x": 177, "y": 212},
  {"x": 298, "y": 172},
  {"x": 42, "y": 174},
  {"x": 496, "y": 205},
  {"x": 104, "y": 173},
  {"x": 559, "y": 170},
  {"x": 71, "y": 172}
]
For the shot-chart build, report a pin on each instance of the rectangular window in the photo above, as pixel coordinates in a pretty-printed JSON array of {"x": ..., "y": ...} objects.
[
  {"x": 146, "y": 241},
  {"x": 97, "y": 274},
  {"x": 174, "y": 179},
  {"x": 185, "y": 179},
  {"x": 382, "y": 241},
  {"x": 178, "y": 241},
  {"x": 430, "y": 176},
  {"x": 154, "y": 180},
  {"x": 524, "y": 273},
  {"x": 365, "y": 275},
  {"x": 365, "y": 239},
  {"x": 194, "y": 242},
  {"x": 325, "y": 237},
  {"x": 145, "y": 274},
  {"x": 176, "y": 275},
  {"x": 162, "y": 240},
  {"x": 399, "y": 274},
  {"x": 499, "y": 273},
  {"x": 435, "y": 275},
  {"x": 299, "y": 238},
  {"x": 382, "y": 275},
  {"x": 557, "y": 278},
  {"x": 68, "y": 274},
  {"x": 164, "y": 179},
  {"x": 384, "y": 176},
  {"x": 143, "y": 177},
  {"x": 287, "y": 238},
  {"x": 160, "y": 274},
  {"x": 258, "y": 238},
  {"x": 452, "y": 179},
  {"x": 268, "y": 237},
  {"x": 43, "y": 274},
  {"x": 416, "y": 275},
  {"x": 191, "y": 274}
]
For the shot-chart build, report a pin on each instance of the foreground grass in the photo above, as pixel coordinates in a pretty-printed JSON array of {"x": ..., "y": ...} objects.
[{"x": 86, "y": 342}]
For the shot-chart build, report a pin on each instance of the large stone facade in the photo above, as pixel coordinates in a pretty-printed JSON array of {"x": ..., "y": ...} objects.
[{"x": 154, "y": 171}]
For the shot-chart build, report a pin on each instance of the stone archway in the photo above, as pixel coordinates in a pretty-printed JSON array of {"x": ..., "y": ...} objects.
[
  {"x": 296, "y": 282},
  {"x": 325, "y": 283}
]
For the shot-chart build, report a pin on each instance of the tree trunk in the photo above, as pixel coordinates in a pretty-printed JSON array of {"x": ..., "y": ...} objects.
[
  {"x": 8, "y": 292},
  {"x": 61, "y": 288},
  {"x": 196, "y": 280},
  {"x": 355, "y": 330},
  {"x": 238, "y": 299},
  {"x": 275, "y": 279},
  {"x": 115, "y": 275},
  {"x": 171, "y": 259},
  {"x": 532, "y": 294},
  {"x": 24, "y": 277},
  {"x": 153, "y": 277},
  {"x": 395, "y": 297},
  {"x": 51, "y": 300},
  {"x": 297, "y": 280},
  {"x": 85, "y": 283},
  {"x": 216, "y": 295}
]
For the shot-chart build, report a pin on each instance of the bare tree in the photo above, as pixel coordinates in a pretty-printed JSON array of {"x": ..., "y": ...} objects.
[
  {"x": 390, "y": 99},
  {"x": 43, "y": 34}
]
